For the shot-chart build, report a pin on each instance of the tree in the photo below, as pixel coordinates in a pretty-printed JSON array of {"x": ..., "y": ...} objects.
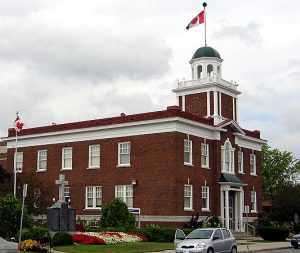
[
  {"x": 115, "y": 214},
  {"x": 10, "y": 216},
  {"x": 278, "y": 169},
  {"x": 286, "y": 203},
  {"x": 5, "y": 182}
]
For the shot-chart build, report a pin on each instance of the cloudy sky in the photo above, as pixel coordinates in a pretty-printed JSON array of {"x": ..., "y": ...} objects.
[{"x": 73, "y": 60}]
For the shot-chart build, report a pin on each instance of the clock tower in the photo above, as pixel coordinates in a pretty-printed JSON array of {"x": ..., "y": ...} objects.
[{"x": 207, "y": 94}]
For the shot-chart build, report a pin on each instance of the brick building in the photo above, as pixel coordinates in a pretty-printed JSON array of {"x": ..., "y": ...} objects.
[{"x": 192, "y": 157}]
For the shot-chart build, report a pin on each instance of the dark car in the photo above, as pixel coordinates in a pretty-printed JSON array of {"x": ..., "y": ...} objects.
[
  {"x": 295, "y": 242},
  {"x": 205, "y": 240}
]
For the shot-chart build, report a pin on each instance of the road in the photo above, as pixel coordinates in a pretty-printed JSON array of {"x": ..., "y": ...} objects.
[{"x": 291, "y": 250}]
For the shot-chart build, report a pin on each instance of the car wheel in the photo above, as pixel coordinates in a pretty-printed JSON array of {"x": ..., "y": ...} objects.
[
  {"x": 233, "y": 250},
  {"x": 210, "y": 250},
  {"x": 295, "y": 246}
]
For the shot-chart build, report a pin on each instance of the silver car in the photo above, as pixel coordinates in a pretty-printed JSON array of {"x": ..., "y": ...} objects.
[
  {"x": 205, "y": 240},
  {"x": 8, "y": 247}
]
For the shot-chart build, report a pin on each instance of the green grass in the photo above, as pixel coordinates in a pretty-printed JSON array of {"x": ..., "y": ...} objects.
[{"x": 133, "y": 247}]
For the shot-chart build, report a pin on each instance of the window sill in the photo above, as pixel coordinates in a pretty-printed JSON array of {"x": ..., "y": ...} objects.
[
  {"x": 92, "y": 209},
  {"x": 189, "y": 209},
  {"x": 39, "y": 171},
  {"x": 93, "y": 168},
  {"x": 205, "y": 210},
  {"x": 205, "y": 167},
  {"x": 242, "y": 173},
  {"x": 189, "y": 164},
  {"x": 252, "y": 174},
  {"x": 64, "y": 169},
  {"x": 124, "y": 166},
  {"x": 253, "y": 211}
]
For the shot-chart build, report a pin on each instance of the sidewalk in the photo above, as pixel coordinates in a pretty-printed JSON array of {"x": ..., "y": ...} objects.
[{"x": 253, "y": 246}]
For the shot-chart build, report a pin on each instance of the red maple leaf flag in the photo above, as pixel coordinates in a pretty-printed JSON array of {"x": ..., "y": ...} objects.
[
  {"x": 18, "y": 125},
  {"x": 199, "y": 19}
]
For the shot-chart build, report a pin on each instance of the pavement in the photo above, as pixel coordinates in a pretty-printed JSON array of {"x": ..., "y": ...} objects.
[{"x": 253, "y": 244}]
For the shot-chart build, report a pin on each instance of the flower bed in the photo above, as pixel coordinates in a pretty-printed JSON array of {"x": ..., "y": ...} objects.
[{"x": 107, "y": 237}]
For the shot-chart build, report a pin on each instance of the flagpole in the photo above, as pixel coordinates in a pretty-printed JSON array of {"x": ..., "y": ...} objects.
[
  {"x": 204, "y": 5},
  {"x": 15, "y": 162}
]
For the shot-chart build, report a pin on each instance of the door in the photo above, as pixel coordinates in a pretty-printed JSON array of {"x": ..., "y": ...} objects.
[
  {"x": 179, "y": 237},
  {"x": 231, "y": 211}
]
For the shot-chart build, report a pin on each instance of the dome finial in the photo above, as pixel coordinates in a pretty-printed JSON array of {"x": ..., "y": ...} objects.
[{"x": 204, "y": 4}]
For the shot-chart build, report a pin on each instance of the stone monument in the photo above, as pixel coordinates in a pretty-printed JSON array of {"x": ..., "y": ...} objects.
[{"x": 60, "y": 216}]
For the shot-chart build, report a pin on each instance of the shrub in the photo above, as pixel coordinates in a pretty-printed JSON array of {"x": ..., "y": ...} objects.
[
  {"x": 156, "y": 233},
  {"x": 212, "y": 222},
  {"x": 25, "y": 234},
  {"x": 40, "y": 234},
  {"x": 116, "y": 214},
  {"x": 62, "y": 238},
  {"x": 273, "y": 233},
  {"x": 31, "y": 245}
]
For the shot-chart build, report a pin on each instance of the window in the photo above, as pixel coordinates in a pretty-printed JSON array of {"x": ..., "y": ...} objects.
[
  {"x": 94, "y": 156},
  {"x": 226, "y": 233},
  {"x": 204, "y": 155},
  {"x": 199, "y": 72},
  {"x": 67, "y": 194},
  {"x": 252, "y": 164},
  {"x": 240, "y": 162},
  {"x": 188, "y": 152},
  {"x": 19, "y": 161},
  {"x": 188, "y": 197},
  {"x": 36, "y": 197},
  {"x": 93, "y": 199},
  {"x": 42, "y": 160},
  {"x": 253, "y": 202},
  {"x": 124, "y": 154},
  {"x": 67, "y": 158},
  {"x": 227, "y": 157},
  {"x": 210, "y": 70},
  {"x": 205, "y": 198},
  {"x": 125, "y": 193}
]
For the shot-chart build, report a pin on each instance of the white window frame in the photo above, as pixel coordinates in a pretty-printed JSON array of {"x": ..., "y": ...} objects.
[
  {"x": 18, "y": 162},
  {"x": 240, "y": 162},
  {"x": 188, "y": 149},
  {"x": 205, "y": 197},
  {"x": 188, "y": 194},
  {"x": 66, "y": 151},
  {"x": 253, "y": 202},
  {"x": 253, "y": 164},
  {"x": 94, "y": 153},
  {"x": 124, "y": 149},
  {"x": 42, "y": 159},
  {"x": 93, "y": 193},
  {"x": 205, "y": 155},
  {"x": 125, "y": 193},
  {"x": 227, "y": 157}
]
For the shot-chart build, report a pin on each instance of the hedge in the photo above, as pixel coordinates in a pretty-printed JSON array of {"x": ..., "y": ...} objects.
[{"x": 273, "y": 233}]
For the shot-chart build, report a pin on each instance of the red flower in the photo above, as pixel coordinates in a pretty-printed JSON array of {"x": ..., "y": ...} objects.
[
  {"x": 87, "y": 239},
  {"x": 79, "y": 227}
]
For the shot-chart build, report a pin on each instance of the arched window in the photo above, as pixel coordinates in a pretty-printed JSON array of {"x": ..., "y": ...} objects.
[
  {"x": 227, "y": 157},
  {"x": 210, "y": 70},
  {"x": 199, "y": 72}
]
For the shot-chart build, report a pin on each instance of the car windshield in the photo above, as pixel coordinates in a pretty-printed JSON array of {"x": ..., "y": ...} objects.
[{"x": 200, "y": 234}]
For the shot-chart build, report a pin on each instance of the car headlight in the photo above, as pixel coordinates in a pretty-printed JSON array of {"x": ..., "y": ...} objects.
[{"x": 201, "y": 245}]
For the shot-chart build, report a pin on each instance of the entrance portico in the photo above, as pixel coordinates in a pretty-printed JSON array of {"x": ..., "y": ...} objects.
[{"x": 232, "y": 201}]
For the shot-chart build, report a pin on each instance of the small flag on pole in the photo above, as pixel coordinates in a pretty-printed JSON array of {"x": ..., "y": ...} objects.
[
  {"x": 199, "y": 19},
  {"x": 18, "y": 125}
]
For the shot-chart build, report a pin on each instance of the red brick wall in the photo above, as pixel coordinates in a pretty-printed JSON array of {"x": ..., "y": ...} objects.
[
  {"x": 196, "y": 104},
  {"x": 157, "y": 165},
  {"x": 227, "y": 106}
]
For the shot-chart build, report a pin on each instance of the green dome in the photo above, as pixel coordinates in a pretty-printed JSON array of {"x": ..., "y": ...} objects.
[{"x": 206, "y": 52}]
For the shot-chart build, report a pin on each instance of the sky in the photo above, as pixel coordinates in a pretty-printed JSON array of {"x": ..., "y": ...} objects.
[{"x": 72, "y": 60}]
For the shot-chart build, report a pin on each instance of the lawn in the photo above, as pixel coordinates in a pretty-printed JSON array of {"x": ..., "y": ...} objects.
[{"x": 133, "y": 247}]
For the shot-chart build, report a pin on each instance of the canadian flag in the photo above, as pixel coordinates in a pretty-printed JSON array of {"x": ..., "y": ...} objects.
[
  {"x": 199, "y": 19},
  {"x": 18, "y": 125}
]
